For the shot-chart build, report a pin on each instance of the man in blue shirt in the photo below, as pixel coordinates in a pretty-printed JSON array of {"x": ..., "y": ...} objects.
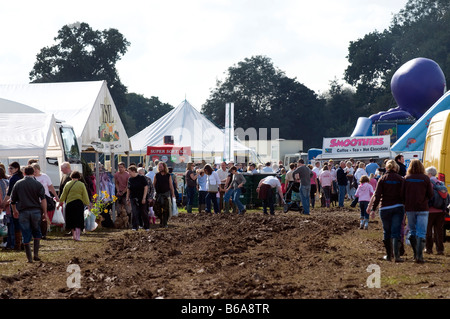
[{"x": 372, "y": 167}]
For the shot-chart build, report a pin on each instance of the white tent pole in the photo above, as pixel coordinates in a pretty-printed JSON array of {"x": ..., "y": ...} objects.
[
  {"x": 97, "y": 173},
  {"x": 113, "y": 170}
]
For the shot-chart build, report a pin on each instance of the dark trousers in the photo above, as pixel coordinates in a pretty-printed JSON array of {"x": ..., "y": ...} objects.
[
  {"x": 212, "y": 198},
  {"x": 435, "y": 232},
  {"x": 312, "y": 194},
  {"x": 268, "y": 201},
  {"x": 162, "y": 208},
  {"x": 202, "y": 197},
  {"x": 139, "y": 213}
]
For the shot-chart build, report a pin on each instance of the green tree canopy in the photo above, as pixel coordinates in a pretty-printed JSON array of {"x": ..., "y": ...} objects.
[
  {"x": 83, "y": 54},
  {"x": 144, "y": 111},
  {"x": 420, "y": 29},
  {"x": 264, "y": 97}
]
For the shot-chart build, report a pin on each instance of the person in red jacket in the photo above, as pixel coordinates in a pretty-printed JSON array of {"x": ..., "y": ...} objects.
[{"x": 417, "y": 191}]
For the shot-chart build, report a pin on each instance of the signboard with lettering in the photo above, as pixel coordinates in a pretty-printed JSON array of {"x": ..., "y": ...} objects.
[
  {"x": 168, "y": 150},
  {"x": 358, "y": 144}
]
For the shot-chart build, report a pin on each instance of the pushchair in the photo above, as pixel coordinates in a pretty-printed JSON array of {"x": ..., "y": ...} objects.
[{"x": 292, "y": 198}]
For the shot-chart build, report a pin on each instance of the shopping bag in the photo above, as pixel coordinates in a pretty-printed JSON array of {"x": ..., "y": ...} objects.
[
  {"x": 89, "y": 221},
  {"x": 174, "y": 207},
  {"x": 58, "y": 218},
  {"x": 3, "y": 227}
]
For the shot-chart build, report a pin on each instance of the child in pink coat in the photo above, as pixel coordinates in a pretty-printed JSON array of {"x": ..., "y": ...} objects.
[
  {"x": 326, "y": 181},
  {"x": 364, "y": 194}
]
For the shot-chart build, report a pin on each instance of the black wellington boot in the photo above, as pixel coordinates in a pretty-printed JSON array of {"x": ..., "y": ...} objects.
[
  {"x": 36, "y": 249},
  {"x": 388, "y": 246},
  {"x": 419, "y": 250},
  {"x": 413, "y": 242},
  {"x": 396, "y": 248},
  {"x": 28, "y": 253}
]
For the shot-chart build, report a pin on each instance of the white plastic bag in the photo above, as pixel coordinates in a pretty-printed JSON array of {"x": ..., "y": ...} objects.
[
  {"x": 58, "y": 218},
  {"x": 174, "y": 207},
  {"x": 89, "y": 221}
]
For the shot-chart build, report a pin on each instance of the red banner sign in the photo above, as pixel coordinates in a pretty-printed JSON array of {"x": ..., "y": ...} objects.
[{"x": 168, "y": 150}]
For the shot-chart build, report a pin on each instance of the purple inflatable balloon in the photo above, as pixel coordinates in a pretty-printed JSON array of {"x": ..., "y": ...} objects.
[{"x": 417, "y": 85}]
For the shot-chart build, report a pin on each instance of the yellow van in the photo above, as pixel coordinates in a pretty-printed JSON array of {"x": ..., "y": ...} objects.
[
  {"x": 437, "y": 146},
  {"x": 436, "y": 149}
]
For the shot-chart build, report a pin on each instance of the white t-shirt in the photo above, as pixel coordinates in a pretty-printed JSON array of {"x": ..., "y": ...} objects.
[
  {"x": 316, "y": 170},
  {"x": 45, "y": 180},
  {"x": 223, "y": 175},
  {"x": 272, "y": 181}
]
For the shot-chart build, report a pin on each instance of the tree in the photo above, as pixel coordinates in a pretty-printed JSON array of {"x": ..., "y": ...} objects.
[
  {"x": 83, "y": 54},
  {"x": 420, "y": 29},
  {"x": 341, "y": 111},
  {"x": 144, "y": 111},
  {"x": 264, "y": 97}
]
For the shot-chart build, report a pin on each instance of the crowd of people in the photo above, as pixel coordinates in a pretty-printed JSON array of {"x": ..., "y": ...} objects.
[
  {"x": 403, "y": 197},
  {"x": 28, "y": 201}
]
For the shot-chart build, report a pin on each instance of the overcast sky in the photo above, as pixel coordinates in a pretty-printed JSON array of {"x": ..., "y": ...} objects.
[{"x": 180, "y": 48}]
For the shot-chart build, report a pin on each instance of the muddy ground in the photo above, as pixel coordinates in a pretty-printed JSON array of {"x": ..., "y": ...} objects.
[{"x": 286, "y": 256}]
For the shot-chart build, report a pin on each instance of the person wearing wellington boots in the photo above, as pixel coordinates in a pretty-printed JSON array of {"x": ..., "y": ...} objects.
[
  {"x": 30, "y": 207},
  {"x": 417, "y": 192},
  {"x": 388, "y": 194}
]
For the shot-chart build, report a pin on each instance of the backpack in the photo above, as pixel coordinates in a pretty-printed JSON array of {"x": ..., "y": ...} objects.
[{"x": 441, "y": 198}]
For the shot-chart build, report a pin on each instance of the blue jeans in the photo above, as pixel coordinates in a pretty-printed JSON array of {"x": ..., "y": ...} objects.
[
  {"x": 392, "y": 219},
  {"x": 363, "y": 207},
  {"x": 237, "y": 200},
  {"x": 235, "y": 195},
  {"x": 228, "y": 195},
  {"x": 418, "y": 222},
  {"x": 30, "y": 223},
  {"x": 190, "y": 195},
  {"x": 304, "y": 197},
  {"x": 211, "y": 197},
  {"x": 342, "y": 192}
]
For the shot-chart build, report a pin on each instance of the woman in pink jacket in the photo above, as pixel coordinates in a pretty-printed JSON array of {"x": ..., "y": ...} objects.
[
  {"x": 364, "y": 194},
  {"x": 326, "y": 180}
]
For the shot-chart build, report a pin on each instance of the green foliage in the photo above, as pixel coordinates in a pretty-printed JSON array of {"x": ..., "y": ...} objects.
[
  {"x": 142, "y": 112},
  {"x": 83, "y": 54},
  {"x": 264, "y": 97},
  {"x": 418, "y": 30}
]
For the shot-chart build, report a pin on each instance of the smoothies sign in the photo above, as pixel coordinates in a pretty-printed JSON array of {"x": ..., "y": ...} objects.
[{"x": 359, "y": 144}]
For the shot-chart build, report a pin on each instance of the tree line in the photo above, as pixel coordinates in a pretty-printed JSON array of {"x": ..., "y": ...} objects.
[{"x": 263, "y": 95}]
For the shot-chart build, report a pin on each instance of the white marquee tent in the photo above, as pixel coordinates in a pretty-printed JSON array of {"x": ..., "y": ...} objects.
[
  {"x": 29, "y": 135},
  {"x": 25, "y": 133},
  {"x": 87, "y": 106},
  {"x": 188, "y": 128}
]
